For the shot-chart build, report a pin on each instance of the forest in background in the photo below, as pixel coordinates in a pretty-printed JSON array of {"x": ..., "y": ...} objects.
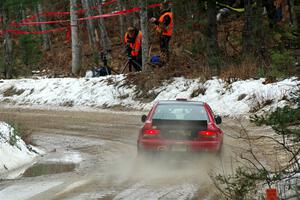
[
  {"x": 246, "y": 37},
  {"x": 248, "y": 41}
]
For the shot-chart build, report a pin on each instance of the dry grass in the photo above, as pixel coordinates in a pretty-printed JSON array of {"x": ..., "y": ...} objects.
[
  {"x": 21, "y": 129},
  {"x": 147, "y": 81},
  {"x": 26, "y": 135},
  {"x": 12, "y": 91},
  {"x": 245, "y": 70}
]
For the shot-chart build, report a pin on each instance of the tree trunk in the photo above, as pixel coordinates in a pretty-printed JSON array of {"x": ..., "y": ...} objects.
[
  {"x": 106, "y": 43},
  {"x": 121, "y": 19},
  {"x": 260, "y": 42},
  {"x": 293, "y": 17},
  {"x": 212, "y": 37},
  {"x": 130, "y": 19},
  {"x": 247, "y": 32},
  {"x": 76, "y": 47},
  {"x": 90, "y": 24},
  {"x": 188, "y": 9},
  {"x": 43, "y": 27},
  {"x": 144, "y": 29},
  {"x": 7, "y": 44}
]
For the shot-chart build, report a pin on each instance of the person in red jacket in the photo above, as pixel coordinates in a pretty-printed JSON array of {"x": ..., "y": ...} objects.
[
  {"x": 133, "y": 42},
  {"x": 164, "y": 28}
]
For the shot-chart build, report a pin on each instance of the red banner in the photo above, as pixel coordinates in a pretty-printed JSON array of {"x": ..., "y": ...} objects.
[
  {"x": 20, "y": 32},
  {"x": 49, "y": 14},
  {"x": 38, "y": 23},
  {"x": 123, "y": 12}
]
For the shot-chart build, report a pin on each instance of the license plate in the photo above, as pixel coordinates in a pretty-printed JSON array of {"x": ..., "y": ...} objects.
[{"x": 179, "y": 148}]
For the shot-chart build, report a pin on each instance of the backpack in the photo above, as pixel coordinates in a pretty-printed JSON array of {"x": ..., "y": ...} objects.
[{"x": 101, "y": 71}]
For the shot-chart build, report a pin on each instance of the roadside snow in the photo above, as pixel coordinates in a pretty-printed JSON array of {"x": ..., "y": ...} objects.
[
  {"x": 235, "y": 99},
  {"x": 14, "y": 158}
]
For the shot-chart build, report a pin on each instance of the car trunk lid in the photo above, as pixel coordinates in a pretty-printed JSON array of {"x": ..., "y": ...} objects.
[{"x": 179, "y": 129}]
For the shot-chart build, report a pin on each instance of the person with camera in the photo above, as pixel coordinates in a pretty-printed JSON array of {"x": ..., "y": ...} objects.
[
  {"x": 133, "y": 42},
  {"x": 164, "y": 28}
]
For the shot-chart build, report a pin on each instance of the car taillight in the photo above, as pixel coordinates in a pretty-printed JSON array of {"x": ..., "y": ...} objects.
[
  {"x": 151, "y": 131},
  {"x": 207, "y": 134}
]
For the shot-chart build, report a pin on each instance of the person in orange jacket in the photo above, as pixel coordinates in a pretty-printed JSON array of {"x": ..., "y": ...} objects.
[
  {"x": 164, "y": 28},
  {"x": 133, "y": 42}
]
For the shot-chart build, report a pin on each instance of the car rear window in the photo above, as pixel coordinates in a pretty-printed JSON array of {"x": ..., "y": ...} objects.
[{"x": 180, "y": 112}]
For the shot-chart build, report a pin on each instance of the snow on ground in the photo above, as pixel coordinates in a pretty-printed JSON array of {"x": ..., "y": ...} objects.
[
  {"x": 14, "y": 154},
  {"x": 237, "y": 98}
]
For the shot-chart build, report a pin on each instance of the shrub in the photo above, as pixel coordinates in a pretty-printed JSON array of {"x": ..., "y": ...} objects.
[
  {"x": 29, "y": 50},
  {"x": 20, "y": 130},
  {"x": 239, "y": 186},
  {"x": 14, "y": 137},
  {"x": 282, "y": 59},
  {"x": 282, "y": 64}
]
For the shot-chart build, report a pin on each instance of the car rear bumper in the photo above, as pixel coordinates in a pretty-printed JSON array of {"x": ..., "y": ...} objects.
[{"x": 178, "y": 146}]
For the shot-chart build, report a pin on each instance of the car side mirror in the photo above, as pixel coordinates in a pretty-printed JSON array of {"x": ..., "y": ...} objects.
[
  {"x": 144, "y": 118},
  {"x": 218, "y": 119}
]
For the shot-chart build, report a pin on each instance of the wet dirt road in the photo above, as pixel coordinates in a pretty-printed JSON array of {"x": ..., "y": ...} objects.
[{"x": 96, "y": 155}]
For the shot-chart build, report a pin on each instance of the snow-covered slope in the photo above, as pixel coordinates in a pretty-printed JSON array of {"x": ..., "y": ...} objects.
[
  {"x": 14, "y": 154},
  {"x": 237, "y": 98}
]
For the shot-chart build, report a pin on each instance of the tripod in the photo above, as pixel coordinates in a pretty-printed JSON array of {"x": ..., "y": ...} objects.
[
  {"x": 131, "y": 63},
  {"x": 105, "y": 65}
]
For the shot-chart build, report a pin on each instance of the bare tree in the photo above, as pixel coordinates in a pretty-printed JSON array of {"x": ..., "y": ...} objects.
[
  {"x": 7, "y": 43},
  {"x": 105, "y": 41},
  {"x": 45, "y": 37},
  {"x": 293, "y": 17},
  {"x": 76, "y": 47},
  {"x": 247, "y": 33},
  {"x": 121, "y": 19},
  {"x": 144, "y": 29},
  {"x": 260, "y": 44},
  {"x": 90, "y": 24},
  {"x": 212, "y": 38}
]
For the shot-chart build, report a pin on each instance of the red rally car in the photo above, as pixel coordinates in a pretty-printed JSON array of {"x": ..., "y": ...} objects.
[{"x": 180, "y": 126}]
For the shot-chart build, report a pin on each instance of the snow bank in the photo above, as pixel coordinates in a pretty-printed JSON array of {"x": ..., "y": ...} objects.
[
  {"x": 98, "y": 92},
  {"x": 238, "y": 98},
  {"x": 14, "y": 156}
]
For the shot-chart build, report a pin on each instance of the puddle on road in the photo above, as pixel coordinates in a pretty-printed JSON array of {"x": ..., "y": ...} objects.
[{"x": 49, "y": 168}]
